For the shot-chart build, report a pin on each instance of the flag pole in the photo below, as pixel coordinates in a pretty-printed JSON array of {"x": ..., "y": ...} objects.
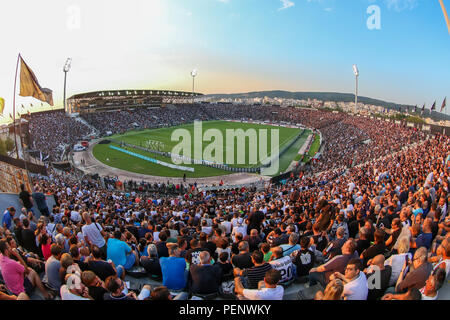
[{"x": 14, "y": 108}]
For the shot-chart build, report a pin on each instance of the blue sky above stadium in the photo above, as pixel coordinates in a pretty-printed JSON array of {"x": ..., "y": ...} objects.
[{"x": 237, "y": 46}]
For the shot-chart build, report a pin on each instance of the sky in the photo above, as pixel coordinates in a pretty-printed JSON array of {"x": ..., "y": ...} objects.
[{"x": 236, "y": 46}]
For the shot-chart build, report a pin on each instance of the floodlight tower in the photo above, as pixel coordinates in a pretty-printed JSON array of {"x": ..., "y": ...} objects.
[
  {"x": 65, "y": 70},
  {"x": 356, "y": 72},
  {"x": 193, "y": 74}
]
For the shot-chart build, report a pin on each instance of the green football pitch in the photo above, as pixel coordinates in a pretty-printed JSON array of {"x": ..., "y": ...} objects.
[{"x": 117, "y": 159}]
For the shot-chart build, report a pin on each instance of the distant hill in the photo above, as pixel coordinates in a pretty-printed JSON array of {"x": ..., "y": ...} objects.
[{"x": 328, "y": 96}]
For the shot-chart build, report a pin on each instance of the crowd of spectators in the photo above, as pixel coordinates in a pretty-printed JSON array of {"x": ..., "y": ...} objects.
[
  {"x": 52, "y": 132},
  {"x": 375, "y": 231}
]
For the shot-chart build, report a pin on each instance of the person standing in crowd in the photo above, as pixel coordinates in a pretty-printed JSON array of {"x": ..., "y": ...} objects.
[
  {"x": 25, "y": 198},
  {"x": 8, "y": 215},
  {"x": 41, "y": 203}
]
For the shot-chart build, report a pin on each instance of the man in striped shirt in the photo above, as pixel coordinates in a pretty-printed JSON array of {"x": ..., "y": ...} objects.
[{"x": 252, "y": 276}]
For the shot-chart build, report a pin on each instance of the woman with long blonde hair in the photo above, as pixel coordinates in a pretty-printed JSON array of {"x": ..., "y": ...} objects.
[{"x": 333, "y": 291}]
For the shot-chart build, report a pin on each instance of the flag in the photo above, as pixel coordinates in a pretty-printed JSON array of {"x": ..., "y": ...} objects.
[
  {"x": 2, "y": 105},
  {"x": 433, "y": 107},
  {"x": 445, "y": 15},
  {"x": 29, "y": 85},
  {"x": 444, "y": 103},
  {"x": 415, "y": 108},
  {"x": 423, "y": 109}
]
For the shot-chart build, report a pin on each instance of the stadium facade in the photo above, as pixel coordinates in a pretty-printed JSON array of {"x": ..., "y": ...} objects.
[{"x": 113, "y": 99}]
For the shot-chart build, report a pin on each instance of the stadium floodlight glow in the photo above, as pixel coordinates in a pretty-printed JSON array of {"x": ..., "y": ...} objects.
[
  {"x": 356, "y": 72},
  {"x": 65, "y": 70}
]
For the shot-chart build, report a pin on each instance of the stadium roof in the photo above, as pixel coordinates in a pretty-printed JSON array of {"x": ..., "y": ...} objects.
[{"x": 134, "y": 93}]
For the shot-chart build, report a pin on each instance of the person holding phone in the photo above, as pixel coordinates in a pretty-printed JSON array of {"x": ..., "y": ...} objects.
[{"x": 415, "y": 272}]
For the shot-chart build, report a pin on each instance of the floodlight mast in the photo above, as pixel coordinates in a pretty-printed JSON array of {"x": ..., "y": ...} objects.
[
  {"x": 356, "y": 72},
  {"x": 65, "y": 70},
  {"x": 193, "y": 74}
]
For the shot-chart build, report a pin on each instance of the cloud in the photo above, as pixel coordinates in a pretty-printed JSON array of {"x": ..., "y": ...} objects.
[
  {"x": 286, "y": 4},
  {"x": 400, "y": 5}
]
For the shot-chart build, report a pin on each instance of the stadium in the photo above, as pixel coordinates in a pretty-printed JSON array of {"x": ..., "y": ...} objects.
[
  {"x": 330, "y": 150},
  {"x": 227, "y": 192},
  {"x": 147, "y": 141}
]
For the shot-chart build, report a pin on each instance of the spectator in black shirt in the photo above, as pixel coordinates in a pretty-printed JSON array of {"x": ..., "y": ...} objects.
[
  {"x": 207, "y": 244},
  {"x": 184, "y": 233},
  {"x": 115, "y": 287},
  {"x": 355, "y": 225},
  {"x": 378, "y": 276},
  {"x": 94, "y": 284},
  {"x": 225, "y": 266},
  {"x": 394, "y": 232},
  {"x": 235, "y": 246},
  {"x": 242, "y": 260},
  {"x": 377, "y": 248},
  {"x": 255, "y": 219},
  {"x": 277, "y": 238},
  {"x": 18, "y": 231},
  {"x": 319, "y": 238},
  {"x": 363, "y": 242},
  {"x": 29, "y": 239},
  {"x": 205, "y": 278},
  {"x": 161, "y": 245},
  {"x": 75, "y": 253},
  {"x": 132, "y": 228},
  {"x": 100, "y": 267},
  {"x": 151, "y": 262},
  {"x": 253, "y": 240},
  {"x": 25, "y": 198},
  {"x": 193, "y": 255},
  {"x": 334, "y": 248},
  {"x": 304, "y": 258},
  {"x": 391, "y": 215},
  {"x": 383, "y": 220}
]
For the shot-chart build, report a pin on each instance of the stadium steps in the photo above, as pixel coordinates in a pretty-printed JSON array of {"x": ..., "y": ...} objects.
[{"x": 94, "y": 131}]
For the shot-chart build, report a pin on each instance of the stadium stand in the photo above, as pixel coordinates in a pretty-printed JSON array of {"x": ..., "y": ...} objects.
[{"x": 361, "y": 211}]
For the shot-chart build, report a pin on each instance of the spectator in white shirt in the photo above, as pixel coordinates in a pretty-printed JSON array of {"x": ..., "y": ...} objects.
[
  {"x": 433, "y": 284},
  {"x": 271, "y": 290},
  {"x": 74, "y": 289},
  {"x": 227, "y": 225},
  {"x": 93, "y": 233},
  {"x": 355, "y": 281},
  {"x": 75, "y": 215},
  {"x": 241, "y": 227}
]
